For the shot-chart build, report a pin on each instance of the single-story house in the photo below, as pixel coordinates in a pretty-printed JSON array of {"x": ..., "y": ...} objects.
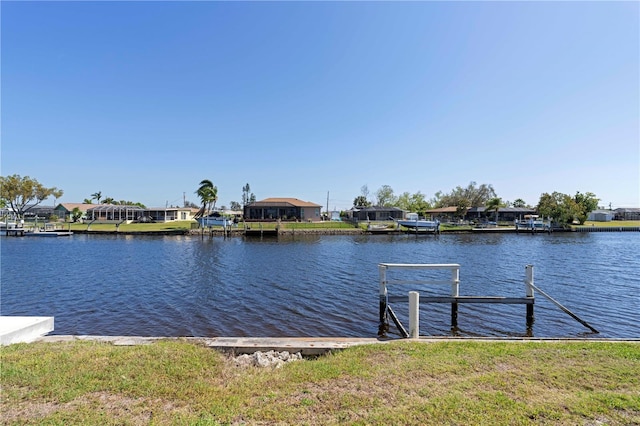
[
  {"x": 375, "y": 213},
  {"x": 111, "y": 213},
  {"x": 505, "y": 214},
  {"x": 442, "y": 214},
  {"x": 65, "y": 210},
  {"x": 627, "y": 214},
  {"x": 283, "y": 209},
  {"x": 122, "y": 213},
  {"x": 601, "y": 216},
  {"x": 169, "y": 214}
]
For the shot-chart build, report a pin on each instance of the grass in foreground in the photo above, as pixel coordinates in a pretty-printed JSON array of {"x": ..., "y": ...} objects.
[{"x": 399, "y": 383}]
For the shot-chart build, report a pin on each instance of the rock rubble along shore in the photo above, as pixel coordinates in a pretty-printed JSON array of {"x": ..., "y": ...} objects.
[{"x": 266, "y": 359}]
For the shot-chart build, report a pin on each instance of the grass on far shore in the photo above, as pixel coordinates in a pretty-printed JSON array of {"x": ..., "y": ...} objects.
[
  {"x": 409, "y": 383},
  {"x": 616, "y": 223}
]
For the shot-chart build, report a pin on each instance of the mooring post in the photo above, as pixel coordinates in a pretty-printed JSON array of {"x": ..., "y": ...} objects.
[
  {"x": 383, "y": 327},
  {"x": 414, "y": 314},
  {"x": 529, "y": 293},
  {"x": 455, "y": 292}
]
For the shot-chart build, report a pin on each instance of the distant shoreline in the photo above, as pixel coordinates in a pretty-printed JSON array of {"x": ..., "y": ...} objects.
[{"x": 355, "y": 231}]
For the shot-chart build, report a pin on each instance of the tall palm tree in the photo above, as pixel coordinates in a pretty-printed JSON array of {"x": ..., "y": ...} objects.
[
  {"x": 208, "y": 194},
  {"x": 96, "y": 196},
  {"x": 494, "y": 204}
]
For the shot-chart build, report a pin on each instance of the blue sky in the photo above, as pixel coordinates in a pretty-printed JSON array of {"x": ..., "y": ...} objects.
[{"x": 142, "y": 100}]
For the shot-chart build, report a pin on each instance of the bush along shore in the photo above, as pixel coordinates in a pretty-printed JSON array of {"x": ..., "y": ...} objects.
[{"x": 409, "y": 383}]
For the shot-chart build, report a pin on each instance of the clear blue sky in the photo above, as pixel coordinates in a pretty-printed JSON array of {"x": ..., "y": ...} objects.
[{"x": 142, "y": 100}]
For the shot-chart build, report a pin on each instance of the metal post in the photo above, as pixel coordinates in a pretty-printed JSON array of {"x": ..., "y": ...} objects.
[
  {"x": 455, "y": 281},
  {"x": 414, "y": 314},
  {"x": 383, "y": 326},
  {"x": 529, "y": 280},
  {"x": 455, "y": 292},
  {"x": 529, "y": 293}
]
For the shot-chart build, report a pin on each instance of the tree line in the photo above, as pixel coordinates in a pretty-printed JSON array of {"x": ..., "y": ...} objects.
[
  {"x": 561, "y": 208},
  {"x": 24, "y": 193}
]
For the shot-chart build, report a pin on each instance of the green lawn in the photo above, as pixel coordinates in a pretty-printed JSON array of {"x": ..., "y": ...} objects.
[
  {"x": 133, "y": 227},
  {"x": 616, "y": 223},
  {"x": 408, "y": 383}
]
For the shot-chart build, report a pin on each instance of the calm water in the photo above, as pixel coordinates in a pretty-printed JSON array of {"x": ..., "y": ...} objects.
[{"x": 315, "y": 286}]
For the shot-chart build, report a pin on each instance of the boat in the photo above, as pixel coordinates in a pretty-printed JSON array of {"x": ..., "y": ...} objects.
[
  {"x": 532, "y": 223},
  {"x": 48, "y": 233},
  {"x": 420, "y": 225},
  {"x": 7, "y": 228},
  {"x": 215, "y": 219},
  {"x": 49, "y": 230},
  {"x": 374, "y": 228}
]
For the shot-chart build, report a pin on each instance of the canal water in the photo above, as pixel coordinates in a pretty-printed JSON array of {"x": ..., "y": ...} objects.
[{"x": 316, "y": 285}]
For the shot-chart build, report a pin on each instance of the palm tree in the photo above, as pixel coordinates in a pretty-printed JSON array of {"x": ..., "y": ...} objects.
[
  {"x": 208, "y": 194},
  {"x": 96, "y": 196},
  {"x": 494, "y": 204}
]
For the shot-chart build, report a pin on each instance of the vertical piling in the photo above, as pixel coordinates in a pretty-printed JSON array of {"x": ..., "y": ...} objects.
[
  {"x": 383, "y": 326},
  {"x": 529, "y": 293},
  {"x": 414, "y": 314},
  {"x": 455, "y": 292}
]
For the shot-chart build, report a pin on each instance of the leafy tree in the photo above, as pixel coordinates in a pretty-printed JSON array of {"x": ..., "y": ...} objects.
[
  {"x": 475, "y": 196},
  {"x": 20, "y": 192},
  {"x": 87, "y": 201},
  {"x": 519, "y": 203},
  {"x": 97, "y": 196},
  {"x": 562, "y": 208},
  {"x": 385, "y": 196},
  {"x": 404, "y": 201},
  {"x": 234, "y": 205},
  {"x": 462, "y": 207},
  {"x": 208, "y": 194},
  {"x": 413, "y": 202},
  {"x": 361, "y": 201},
  {"x": 494, "y": 205},
  {"x": 587, "y": 203},
  {"x": 76, "y": 214},
  {"x": 108, "y": 200}
]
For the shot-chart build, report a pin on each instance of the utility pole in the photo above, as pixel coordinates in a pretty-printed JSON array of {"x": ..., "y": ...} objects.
[{"x": 327, "y": 203}]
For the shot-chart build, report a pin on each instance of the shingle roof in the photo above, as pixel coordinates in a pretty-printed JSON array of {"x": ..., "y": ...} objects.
[
  {"x": 376, "y": 208},
  {"x": 284, "y": 202},
  {"x": 82, "y": 206}
]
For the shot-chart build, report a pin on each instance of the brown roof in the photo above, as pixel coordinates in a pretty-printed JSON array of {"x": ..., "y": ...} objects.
[
  {"x": 451, "y": 209},
  {"x": 284, "y": 201},
  {"x": 82, "y": 206}
]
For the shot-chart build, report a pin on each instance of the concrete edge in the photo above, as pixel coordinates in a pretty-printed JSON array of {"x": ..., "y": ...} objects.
[
  {"x": 308, "y": 346},
  {"x": 21, "y": 329}
]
